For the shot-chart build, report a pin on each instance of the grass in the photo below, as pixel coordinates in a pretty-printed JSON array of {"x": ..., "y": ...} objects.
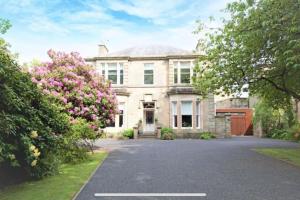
[
  {"x": 291, "y": 156},
  {"x": 60, "y": 187}
]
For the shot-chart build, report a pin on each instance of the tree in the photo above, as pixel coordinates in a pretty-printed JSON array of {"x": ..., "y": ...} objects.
[
  {"x": 258, "y": 46},
  {"x": 31, "y": 128},
  {"x": 76, "y": 88}
]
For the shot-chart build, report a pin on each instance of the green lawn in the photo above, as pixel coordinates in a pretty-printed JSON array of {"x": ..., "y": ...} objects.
[
  {"x": 291, "y": 156},
  {"x": 60, "y": 187}
]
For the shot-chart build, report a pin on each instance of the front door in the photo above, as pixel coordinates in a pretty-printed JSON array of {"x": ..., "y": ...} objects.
[{"x": 149, "y": 121}]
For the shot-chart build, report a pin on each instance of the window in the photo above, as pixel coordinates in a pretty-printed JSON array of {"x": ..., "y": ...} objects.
[
  {"x": 175, "y": 72},
  {"x": 185, "y": 72},
  {"x": 174, "y": 114},
  {"x": 148, "y": 73},
  {"x": 198, "y": 114},
  {"x": 111, "y": 124},
  {"x": 186, "y": 113},
  {"x": 121, "y": 114},
  {"x": 103, "y": 69},
  {"x": 112, "y": 72},
  {"x": 121, "y": 74},
  {"x": 183, "y": 75}
]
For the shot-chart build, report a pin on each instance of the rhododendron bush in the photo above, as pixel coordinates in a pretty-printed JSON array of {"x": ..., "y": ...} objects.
[{"x": 76, "y": 88}]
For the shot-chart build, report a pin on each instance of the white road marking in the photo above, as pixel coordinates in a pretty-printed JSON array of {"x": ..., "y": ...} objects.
[{"x": 150, "y": 195}]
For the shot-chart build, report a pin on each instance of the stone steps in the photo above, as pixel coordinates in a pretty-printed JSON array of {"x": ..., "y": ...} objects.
[{"x": 147, "y": 136}]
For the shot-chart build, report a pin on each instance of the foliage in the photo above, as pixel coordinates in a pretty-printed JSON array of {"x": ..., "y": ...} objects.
[
  {"x": 275, "y": 122},
  {"x": 4, "y": 25},
  {"x": 31, "y": 127},
  {"x": 207, "y": 136},
  {"x": 78, "y": 141},
  {"x": 128, "y": 133},
  {"x": 59, "y": 187},
  {"x": 76, "y": 88},
  {"x": 259, "y": 46},
  {"x": 294, "y": 132},
  {"x": 167, "y": 134},
  {"x": 166, "y": 130}
]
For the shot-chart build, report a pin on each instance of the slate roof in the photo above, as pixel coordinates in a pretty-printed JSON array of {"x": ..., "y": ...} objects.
[{"x": 151, "y": 50}]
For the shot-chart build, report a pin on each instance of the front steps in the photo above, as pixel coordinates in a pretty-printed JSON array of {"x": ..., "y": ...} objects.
[{"x": 147, "y": 136}]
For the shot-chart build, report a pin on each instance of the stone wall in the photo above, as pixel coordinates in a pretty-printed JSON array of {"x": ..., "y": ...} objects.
[
  {"x": 233, "y": 103},
  {"x": 222, "y": 126}
]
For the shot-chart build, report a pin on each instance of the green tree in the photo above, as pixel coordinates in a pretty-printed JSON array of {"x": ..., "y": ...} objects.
[{"x": 258, "y": 46}]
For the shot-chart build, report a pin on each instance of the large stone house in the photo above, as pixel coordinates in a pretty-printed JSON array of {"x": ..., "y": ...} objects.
[{"x": 153, "y": 87}]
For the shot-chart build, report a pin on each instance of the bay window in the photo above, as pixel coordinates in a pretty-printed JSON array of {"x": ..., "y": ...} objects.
[
  {"x": 174, "y": 114},
  {"x": 121, "y": 74},
  {"x": 186, "y": 114},
  {"x": 182, "y": 72},
  {"x": 198, "y": 114},
  {"x": 121, "y": 114},
  {"x": 113, "y": 72}
]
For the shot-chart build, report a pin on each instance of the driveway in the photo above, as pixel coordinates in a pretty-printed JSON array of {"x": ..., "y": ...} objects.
[{"x": 222, "y": 168}]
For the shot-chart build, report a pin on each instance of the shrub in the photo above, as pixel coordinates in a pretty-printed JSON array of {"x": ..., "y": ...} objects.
[
  {"x": 76, "y": 88},
  {"x": 128, "y": 133},
  {"x": 79, "y": 140},
  {"x": 166, "y": 130},
  {"x": 207, "y": 135},
  {"x": 275, "y": 122},
  {"x": 167, "y": 134},
  {"x": 31, "y": 128},
  {"x": 294, "y": 132}
]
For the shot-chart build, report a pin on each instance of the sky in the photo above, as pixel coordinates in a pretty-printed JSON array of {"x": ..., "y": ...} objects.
[{"x": 80, "y": 25}]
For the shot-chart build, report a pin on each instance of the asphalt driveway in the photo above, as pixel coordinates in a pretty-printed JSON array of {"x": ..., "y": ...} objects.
[{"x": 222, "y": 168}]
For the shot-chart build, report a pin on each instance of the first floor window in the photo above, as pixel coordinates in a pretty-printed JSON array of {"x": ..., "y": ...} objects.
[
  {"x": 198, "y": 114},
  {"x": 174, "y": 114},
  {"x": 121, "y": 76},
  {"x": 186, "y": 113},
  {"x": 112, "y": 73},
  {"x": 175, "y": 75},
  {"x": 148, "y": 73},
  {"x": 185, "y": 75}
]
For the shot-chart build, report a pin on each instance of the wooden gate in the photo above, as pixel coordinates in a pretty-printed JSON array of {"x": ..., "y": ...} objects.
[{"x": 238, "y": 124}]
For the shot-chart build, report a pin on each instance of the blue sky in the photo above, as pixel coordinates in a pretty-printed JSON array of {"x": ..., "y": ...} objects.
[{"x": 79, "y": 25}]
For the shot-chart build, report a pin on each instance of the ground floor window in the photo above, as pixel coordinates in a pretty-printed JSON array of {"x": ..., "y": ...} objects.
[
  {"x": 111, "y": 124},
  {"x": 198, "y": 114},
  {"x": 174, "y": 114},
  {"x": 121, "y": 119},
  {"x": 186, "y": 114}
]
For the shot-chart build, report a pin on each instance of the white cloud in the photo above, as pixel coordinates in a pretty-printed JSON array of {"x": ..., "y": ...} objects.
[{"x": 173, "y": 22}]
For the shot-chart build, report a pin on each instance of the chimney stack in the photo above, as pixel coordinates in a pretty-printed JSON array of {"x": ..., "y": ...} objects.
[{"x": 102, "y": 50}]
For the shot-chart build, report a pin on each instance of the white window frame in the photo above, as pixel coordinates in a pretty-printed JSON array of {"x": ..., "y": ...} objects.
[
  {"x": 190, "y": 101},
  {"x": 120, "y": 66},
  {"x": 148, "y": 66},
  {"x": 178, "y": 64}
]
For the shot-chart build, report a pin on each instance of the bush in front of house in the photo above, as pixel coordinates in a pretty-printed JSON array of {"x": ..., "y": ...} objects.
[
  {"x": 295, "y": 132},
  {"x": 167, "y": 134},
  {"x": 128, "y": 133},
  {"x": 76, "y": 88},
  {"x": 31, "y": 128},
  {"x": 207, "y": 136},
  {"x": 79, "y": 140}
]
